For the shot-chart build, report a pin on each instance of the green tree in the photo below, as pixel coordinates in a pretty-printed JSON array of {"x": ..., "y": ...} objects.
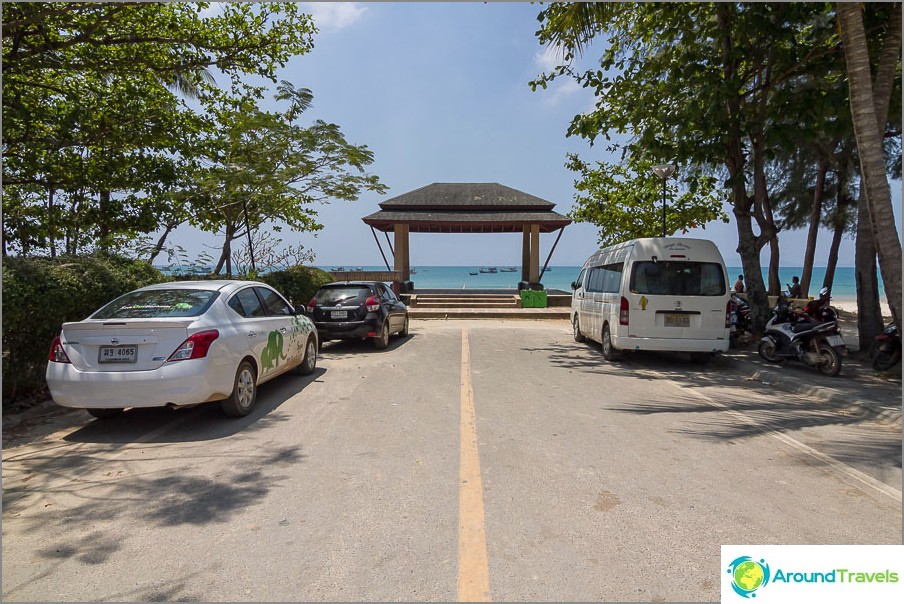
[
  {"x": 867, "y": 112},
  {"x": 263, "y": 167},
  {"x": 95, "y": 111},
  {"x": 710, "y": 85},
  {"x": 624, "y": 201}
]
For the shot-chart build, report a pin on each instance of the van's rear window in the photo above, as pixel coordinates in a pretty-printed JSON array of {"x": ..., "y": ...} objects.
[
  {"x": 674, "y": 278},
  {"x": 158, "y": 303}
]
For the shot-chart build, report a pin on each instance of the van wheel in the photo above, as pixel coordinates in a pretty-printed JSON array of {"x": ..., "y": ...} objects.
[
  {"x": 610, "y": 353},
  {"x": 578, "y": 336}
]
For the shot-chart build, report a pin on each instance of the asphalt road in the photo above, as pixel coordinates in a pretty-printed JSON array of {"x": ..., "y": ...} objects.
[{"x": 472, "y": 460}]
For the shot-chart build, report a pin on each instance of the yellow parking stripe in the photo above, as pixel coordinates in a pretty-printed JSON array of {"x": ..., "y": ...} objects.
[{"x": 473, "y": 567}]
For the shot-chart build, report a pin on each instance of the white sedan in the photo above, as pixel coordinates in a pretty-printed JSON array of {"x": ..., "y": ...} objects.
[{"x": 179, "y": 344}]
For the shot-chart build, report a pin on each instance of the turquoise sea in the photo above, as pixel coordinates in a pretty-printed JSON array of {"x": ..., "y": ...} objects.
[{"x": 560, "y": 277}]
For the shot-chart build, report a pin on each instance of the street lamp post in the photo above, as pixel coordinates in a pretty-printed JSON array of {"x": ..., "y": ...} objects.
[{"x": 663, "y": 171}]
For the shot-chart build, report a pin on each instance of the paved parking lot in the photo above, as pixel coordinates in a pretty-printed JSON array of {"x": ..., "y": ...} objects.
[{"x": 472, "y": 460}]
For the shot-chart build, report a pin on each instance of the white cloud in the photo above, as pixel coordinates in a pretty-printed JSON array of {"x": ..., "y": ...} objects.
[
  {"x": 547, "y": 59},
  {"x": 333, "y": 16}
]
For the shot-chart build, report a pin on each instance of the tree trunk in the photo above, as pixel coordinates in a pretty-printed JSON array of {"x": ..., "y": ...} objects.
[
  {"x": 832, "y": 262},
  {"x": 869, "y": 147},
  {"x": 50, "y": 229},
  {"x": 160, "y": 242},
  {"x": 225, "y": 259},
  {"x": 869, "y": 311},
  {"x": 813, "y": 229},
  {"x": 104, "y": 230}
]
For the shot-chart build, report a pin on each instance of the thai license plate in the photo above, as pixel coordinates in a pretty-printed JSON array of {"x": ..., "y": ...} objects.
[
  {"x": 677, "y": 320},
  {"x": 338, "y": 314},
  {"x": 835, "y": 340},
  {"x": 118, "y": 354}
]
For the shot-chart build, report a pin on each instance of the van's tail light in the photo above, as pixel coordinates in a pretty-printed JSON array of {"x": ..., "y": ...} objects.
[
  {"x": 57, "y": 354},
  {"x": 373, "y": 305},
  {"x": 728, "y": 315},
  {"x": 623, "y": 312},
  {"x": 196, "y": 346}
]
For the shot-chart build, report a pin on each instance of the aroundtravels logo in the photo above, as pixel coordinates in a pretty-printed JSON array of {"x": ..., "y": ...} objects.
[{"x": 748, "y": 575}]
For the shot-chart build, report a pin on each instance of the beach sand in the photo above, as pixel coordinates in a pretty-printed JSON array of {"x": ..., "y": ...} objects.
[{"x": 851, "y": 307}]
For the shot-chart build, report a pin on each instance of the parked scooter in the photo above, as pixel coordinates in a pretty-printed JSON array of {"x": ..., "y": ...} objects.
[
  {"x": 886, "y": 350},
  {"x": 739, "y": 318},
  {"x": 814, "y": 342},
  {"x": 819, "y": 309}
]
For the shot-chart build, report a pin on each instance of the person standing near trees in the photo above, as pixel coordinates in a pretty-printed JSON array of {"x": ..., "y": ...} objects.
[{"x": 739, "y": 285}]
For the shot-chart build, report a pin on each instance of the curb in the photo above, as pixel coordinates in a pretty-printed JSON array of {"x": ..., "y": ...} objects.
[{"x": 839, "y": 398}]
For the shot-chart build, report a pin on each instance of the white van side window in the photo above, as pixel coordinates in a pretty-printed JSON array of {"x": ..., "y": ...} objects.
[
  {"x": 605, "y": 279},
  {"x": 671, "y": 278}
]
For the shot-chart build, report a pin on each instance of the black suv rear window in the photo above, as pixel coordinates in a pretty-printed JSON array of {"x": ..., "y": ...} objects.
[
  {"x": 158, "y": 303},
  {"x": 333, "y": 295}
]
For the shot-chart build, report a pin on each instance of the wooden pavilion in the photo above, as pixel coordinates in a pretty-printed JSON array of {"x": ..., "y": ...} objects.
[{"x": 468, "y": 208}]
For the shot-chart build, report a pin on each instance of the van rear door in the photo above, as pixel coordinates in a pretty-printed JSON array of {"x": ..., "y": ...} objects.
[{"x": 677, "y": 299}]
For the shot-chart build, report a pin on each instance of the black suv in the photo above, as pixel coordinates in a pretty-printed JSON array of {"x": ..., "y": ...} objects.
[{"x": 358, "y": 309}]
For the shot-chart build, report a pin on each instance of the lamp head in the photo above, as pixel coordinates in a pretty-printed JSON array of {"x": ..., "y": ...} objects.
[{"x": 664, "y": 170}]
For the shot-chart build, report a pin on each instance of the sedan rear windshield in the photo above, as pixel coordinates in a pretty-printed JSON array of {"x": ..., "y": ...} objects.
[
  {"x": 678, "y": 278},
  {"x": 333, "y": 295},
  {"x": 158, "y": 303}
]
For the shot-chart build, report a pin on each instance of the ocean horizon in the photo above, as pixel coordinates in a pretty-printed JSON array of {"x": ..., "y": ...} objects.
[{"x": 560, "y": 277}]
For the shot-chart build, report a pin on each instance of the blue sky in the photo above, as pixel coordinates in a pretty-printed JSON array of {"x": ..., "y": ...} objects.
[{"x": 438, "y": 91}]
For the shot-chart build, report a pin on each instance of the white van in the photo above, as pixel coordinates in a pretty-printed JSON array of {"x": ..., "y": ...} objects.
[{"x": 658, "y": 293}]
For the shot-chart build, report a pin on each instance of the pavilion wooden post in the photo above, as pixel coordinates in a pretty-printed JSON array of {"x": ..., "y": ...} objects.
[
  {"x": 525, "y": 253},
  {"x": 402, "y": 259},
  {"x": 534, "y": 253}
]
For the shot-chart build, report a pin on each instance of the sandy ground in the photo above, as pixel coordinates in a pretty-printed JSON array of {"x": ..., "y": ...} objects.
[{"x": 851, "y": 306}]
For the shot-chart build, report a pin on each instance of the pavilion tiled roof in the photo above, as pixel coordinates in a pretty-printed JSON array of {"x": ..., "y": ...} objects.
[{"x": 466, "y": 208}]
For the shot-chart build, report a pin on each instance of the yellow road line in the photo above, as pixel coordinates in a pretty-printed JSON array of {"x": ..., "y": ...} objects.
[{"x": 473, "y": 566}]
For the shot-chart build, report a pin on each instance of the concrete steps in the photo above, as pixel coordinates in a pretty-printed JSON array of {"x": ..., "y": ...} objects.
[{"x": 477, "y": 306}]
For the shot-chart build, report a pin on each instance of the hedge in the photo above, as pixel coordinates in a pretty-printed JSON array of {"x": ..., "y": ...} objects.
[
  {"x": 40, "y": 294},
  {"x": 298, "y": 283}
]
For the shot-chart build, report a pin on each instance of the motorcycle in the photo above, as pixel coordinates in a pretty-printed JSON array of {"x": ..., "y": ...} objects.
[
  {"x": 819, "y": 309},
  {"x": 886, "y": 350},
  {"x": 739, "y": 318},
  {"x": 790, "y": 336}
]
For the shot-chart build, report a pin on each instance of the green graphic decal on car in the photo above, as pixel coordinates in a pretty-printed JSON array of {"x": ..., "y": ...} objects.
[{"x": 273, "y": 353}]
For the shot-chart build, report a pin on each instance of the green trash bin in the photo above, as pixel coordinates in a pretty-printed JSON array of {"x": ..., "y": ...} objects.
[{"x": 533, "y": 299}]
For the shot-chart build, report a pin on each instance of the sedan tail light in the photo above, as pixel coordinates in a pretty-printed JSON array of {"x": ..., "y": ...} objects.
[
  {"x": 373, "y": 305},
  {"x": 57, "y": 354},
  {"x": 623, "y": 312},
  {"x": 196, "y": 346}
]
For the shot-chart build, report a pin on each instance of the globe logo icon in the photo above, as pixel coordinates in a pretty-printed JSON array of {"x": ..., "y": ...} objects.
[{"x": 748, "y": 575}]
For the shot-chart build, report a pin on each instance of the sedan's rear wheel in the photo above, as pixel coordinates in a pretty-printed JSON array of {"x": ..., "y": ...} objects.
[
  {"x": 244, "y": 392},
  {"x": 310, "y": 358},
  {"x": 404, "y": 332},
  {"x": 381, "y": 341},
  {"x": 105, "y": 413}
]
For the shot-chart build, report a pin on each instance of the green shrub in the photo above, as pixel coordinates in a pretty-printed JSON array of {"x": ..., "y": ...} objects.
[
  {"x": 40, "y": 294},
  {"x": 298, "y": 283}
]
